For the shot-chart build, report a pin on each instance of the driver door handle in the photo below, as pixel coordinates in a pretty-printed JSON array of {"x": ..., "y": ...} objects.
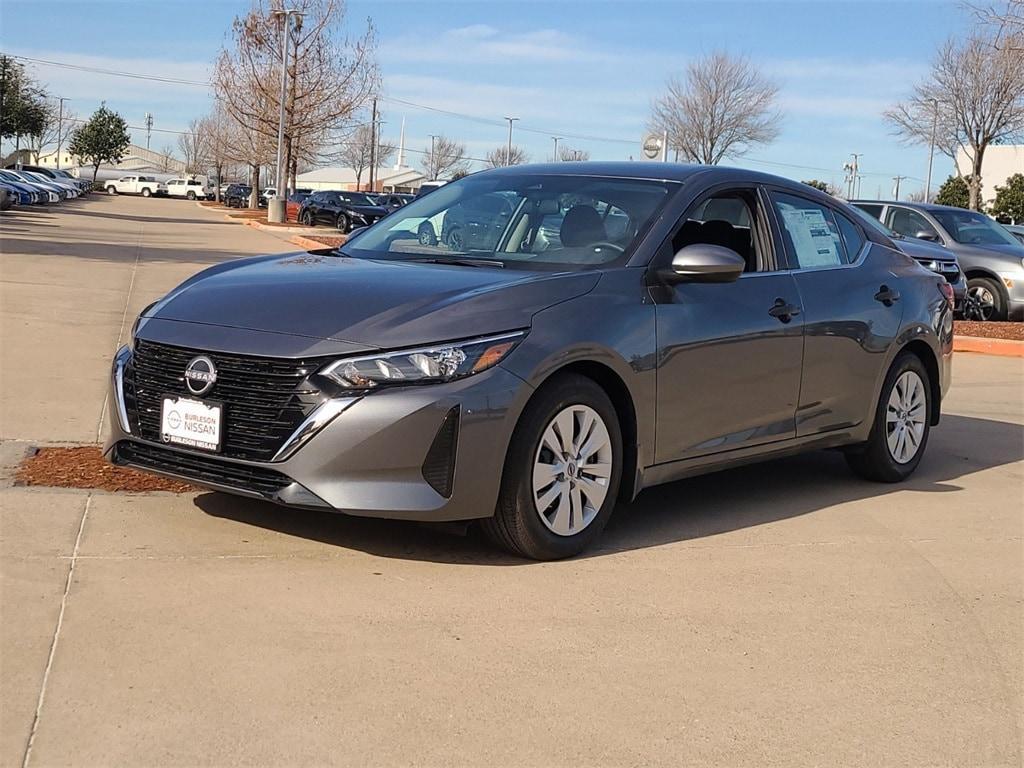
[
  {"x": 887, "y": 295},
  {"x": 783, "y": 310}
]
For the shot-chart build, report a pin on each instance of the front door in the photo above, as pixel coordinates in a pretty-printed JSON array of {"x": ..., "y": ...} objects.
[{"x": 729, "y": 354}]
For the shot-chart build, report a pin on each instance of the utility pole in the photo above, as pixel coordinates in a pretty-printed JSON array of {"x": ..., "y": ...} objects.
[
  {"x": 60, "y": 125},
  {"x": 556, "y": 139},
  {"x": 373, "y": 143},
  {"x": 276, "y": 206},
  {"x": 931, "y": 151},
  {"x": 852, "y": 176},
  {"x": 149, "y": 128},
  {"x": 896, "y": 189},
  {"x": 433, "y": 158},
  {"x": 508, "y": 153}
]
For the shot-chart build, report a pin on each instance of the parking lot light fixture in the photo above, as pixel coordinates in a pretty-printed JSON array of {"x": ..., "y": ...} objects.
[{"x": 276, "y": 206}]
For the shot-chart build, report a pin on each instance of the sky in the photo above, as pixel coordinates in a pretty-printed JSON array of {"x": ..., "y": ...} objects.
[{"x": 587, "y": 71}]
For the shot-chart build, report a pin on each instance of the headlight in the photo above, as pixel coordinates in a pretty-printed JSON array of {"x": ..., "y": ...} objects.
[{"x": 426, "y": 365}]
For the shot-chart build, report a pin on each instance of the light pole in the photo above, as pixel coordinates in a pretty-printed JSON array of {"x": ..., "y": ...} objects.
[
  {"x": 931, "y": 151},
  {"x": 60, "y": 125},
  {"x": 434, "y": 170},
  {"x": 556, "y": 139},
  {"x": 508, "y": 152},
  {"x": 276, "y": 206}
]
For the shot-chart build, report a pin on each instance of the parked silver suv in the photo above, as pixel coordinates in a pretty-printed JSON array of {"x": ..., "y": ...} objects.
[{"x": 989, "y": 255}]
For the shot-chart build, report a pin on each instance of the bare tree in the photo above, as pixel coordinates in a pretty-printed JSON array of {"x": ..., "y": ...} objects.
[
  {"x": 331, "y": 76},
  {"x": 194, "y": 148},
  {"x": 974, "y": 95},
  {"x": 217, "y": 129},
  {"x": 500, "y": 156},
  {"x": 444, "y": 156},
  {"x": 1004, "y": 19},
  {"x": 721, "y": 108},
  {"x": 917, "y": 196},
  {"x": 167, "y": 158},
  {"x": 357, "y": 151},
  {"x": 570, "y": 155},
  {"x": 56, "y": 130}
]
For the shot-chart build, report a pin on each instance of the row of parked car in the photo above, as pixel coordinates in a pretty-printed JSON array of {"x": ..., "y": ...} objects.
[
  {"x": 32, "y": 185},
  {"x": 982, "y": 259}
]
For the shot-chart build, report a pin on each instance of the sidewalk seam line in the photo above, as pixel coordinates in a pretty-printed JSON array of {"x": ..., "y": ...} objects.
[
  {"x": 124, "y": 318},
  {"x": 56, "y": 636}
]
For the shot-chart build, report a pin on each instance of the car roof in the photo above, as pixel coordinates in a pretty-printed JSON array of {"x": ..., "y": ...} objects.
[{"x": 908, "y": 204}]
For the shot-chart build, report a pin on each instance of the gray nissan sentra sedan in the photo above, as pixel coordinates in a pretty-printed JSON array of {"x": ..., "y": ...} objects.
[{"x": 587, "y": 330}]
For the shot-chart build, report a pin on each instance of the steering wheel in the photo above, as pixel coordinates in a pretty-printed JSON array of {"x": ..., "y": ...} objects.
[{"x": 606, "y": 244}]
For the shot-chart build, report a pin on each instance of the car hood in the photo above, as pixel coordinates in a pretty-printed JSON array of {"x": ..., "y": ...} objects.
[
  {"x": 368, "y": 210},
  {"x": 989, "y": 249},
  {"x": 919, "y": 249},
  {"x": 379, "y": 304}
]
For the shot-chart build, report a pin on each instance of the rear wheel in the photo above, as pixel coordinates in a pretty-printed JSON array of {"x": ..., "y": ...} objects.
[
  {"x": 426, "y": 235},
  {"x": 191, "y": 195},
  {"x": 146, "y": 192},
  {"x": 561, "y": 474},
  {"x": 984, "y": 300},
  {"x": 456, "y": 241},
  {"x": 902, "y": 422}
]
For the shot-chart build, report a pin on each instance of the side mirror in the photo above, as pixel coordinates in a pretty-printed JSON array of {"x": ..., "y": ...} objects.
[
  {"x": 703, "y": 263},
  {"x": 928, "y": 235}
]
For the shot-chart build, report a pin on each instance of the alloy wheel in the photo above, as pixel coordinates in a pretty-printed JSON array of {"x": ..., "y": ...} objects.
[
  {"x": 571, "y": 470},
  {"x": 905, "y": 417},
  {"x": 980, "y": 304}
]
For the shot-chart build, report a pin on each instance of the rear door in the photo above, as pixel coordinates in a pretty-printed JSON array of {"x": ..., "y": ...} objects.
[{"x": 852, "y": 310}]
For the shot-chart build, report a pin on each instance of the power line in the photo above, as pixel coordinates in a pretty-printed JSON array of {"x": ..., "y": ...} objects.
[{"x": 102, "y": 71}]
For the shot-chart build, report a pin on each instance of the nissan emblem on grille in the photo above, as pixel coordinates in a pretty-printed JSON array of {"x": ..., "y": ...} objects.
[{"x": 200, "y": 375}]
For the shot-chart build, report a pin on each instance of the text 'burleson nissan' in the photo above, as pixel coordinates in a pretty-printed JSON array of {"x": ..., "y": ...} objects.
[{"x": 596, "y": 328}]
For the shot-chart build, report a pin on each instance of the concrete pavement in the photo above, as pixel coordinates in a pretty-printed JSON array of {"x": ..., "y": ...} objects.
[{"x": 781, "y": 614}]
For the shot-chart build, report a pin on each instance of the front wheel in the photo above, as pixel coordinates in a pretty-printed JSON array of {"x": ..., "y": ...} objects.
[
  {"x": 561, "y": 474},
  {"x": 426, "y": 234},
  {"x": 984, "y": 300},
  {"x": 111, "y": 190},
  {"x": 901, "y": 425},
  {"x": 342, "y": 223},
  {"x": 306, "y": 219}
]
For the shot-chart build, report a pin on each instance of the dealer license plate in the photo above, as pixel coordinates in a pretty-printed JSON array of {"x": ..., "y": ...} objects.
[{"x": 191, "y": 423}]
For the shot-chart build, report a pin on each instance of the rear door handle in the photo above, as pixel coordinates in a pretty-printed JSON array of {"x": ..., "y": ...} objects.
[
  {"x": 783, "y": 310},
  {"x": 887, "y": 295}
]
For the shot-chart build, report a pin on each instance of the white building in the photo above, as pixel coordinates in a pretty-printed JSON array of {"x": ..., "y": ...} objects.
[
  {"x": 402, "y": 179},
  {"x": 999, "y": 163}
]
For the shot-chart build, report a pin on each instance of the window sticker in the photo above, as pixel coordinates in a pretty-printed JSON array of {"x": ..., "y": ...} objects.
[{"x": 812, "y": 238}]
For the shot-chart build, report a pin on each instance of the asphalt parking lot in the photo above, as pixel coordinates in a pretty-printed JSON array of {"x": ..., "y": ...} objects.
[{"x": 779, "y": 614}]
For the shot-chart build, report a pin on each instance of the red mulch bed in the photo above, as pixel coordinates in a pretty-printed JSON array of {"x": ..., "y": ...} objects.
[
  {"x": 85, "y": 467},
  {"x": 333, "y": 242},
  {"x": 1012, "y": 331}
]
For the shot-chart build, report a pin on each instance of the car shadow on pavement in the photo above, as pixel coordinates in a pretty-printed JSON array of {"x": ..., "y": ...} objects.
[
  {"x": 137, "y": 217},
  {"x": 702, "y": 506},
  {"x": 128, "y": 252}
]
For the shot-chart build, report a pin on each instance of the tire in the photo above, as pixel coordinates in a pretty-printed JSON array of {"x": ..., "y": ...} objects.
[
  {"x": 456, "y": 242},
  {"x": 342, "y": 223},
  {"x": 881, "y": 458},
  {"x": 146, "y": 192},
  {"x": 111, "y": 190},
  {"x": 985, "y": 295},
  {"x": 426, "y": 234},
  {"x": 191, "y": 195},
  {"x": 306, "y": 218},
  {"x": 575, "y": 511}
]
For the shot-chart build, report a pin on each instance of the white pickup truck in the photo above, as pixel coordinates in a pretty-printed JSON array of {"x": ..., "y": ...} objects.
[
  {"x": 191, "y": 188},
  {"x": 146, "y": 186}
]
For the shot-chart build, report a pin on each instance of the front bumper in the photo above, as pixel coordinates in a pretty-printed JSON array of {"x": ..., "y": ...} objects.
[{"x": 373, "y": 459}]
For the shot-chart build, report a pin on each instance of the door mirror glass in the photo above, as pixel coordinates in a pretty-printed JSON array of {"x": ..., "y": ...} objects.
[
  {"x": 926, "y": 234},
  {"x": 704, "y": 263}
]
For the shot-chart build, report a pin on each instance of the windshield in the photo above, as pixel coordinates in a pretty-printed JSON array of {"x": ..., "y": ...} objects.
[
  {"x": 970, "y": 228},
  {"x": 519, "y": 219},
  {"x": 355, "y": 198}
]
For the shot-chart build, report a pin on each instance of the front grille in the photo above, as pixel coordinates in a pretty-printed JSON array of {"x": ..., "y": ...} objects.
[
  {"x": 201, "y": 468},
  {"x": 264, "y": 399},
  {"x": 948, "y": 269}
]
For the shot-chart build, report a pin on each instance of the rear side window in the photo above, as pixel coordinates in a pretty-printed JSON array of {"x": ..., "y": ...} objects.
[
  {"x": 853, "y": 238},
  {"x": 812, "y": 236}
]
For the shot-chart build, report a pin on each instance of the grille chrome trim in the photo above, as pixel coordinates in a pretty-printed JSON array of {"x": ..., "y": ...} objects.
[{"x": 322, "y": 415}]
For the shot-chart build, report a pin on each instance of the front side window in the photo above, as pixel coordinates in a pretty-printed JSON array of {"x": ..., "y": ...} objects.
[
  {"x": 726, "y": 219},
  {"x": 970, "y": 228},
  {"x": 521, "y": 219},
  {"x": 810, "y": 231},
  {"x": 910, "y": 223}
]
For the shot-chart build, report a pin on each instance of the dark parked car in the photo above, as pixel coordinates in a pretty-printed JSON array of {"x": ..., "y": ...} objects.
[
  {"x": 532, "y": 385},
  {"x": 478, "y": 223},
  {"x": 990, "y": 257},
  {"x": 237, "y": 195},
  {"x": 1017, "y": 230},
  {"x": 344, "y": 210},
  {"x": 8, "y": 197}
]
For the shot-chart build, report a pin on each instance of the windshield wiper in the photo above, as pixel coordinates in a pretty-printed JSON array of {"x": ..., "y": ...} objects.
[{"x": 463, "y": 262}]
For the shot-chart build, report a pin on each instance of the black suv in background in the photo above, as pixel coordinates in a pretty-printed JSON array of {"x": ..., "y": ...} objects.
[
  {"x": 237, "y": 195},
  {"x": 344, "y": 210}
]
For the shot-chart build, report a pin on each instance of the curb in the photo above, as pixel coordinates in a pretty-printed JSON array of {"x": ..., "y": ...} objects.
[
  {"x": 308, "y": 245},
  {"x": 1001, "y": 347}
]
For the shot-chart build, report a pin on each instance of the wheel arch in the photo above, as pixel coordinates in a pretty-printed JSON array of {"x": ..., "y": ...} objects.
[{"x": 625, "y": 410}]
